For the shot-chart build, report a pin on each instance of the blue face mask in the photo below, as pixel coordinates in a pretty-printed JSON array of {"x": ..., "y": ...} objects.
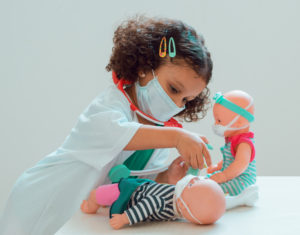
[{"x": 154, "y": 101}]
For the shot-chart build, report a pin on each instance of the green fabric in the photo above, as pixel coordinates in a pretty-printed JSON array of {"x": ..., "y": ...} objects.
[
  {"x": 138, "y": 160},
  {"x": 127, "y": 187}
]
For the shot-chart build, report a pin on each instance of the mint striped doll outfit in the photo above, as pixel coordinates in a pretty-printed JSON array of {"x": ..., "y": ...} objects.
[{"x": 248, "y": 177}]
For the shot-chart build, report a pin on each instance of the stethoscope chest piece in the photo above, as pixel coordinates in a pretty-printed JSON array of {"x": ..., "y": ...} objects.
[{"x": 118, "y": 172}]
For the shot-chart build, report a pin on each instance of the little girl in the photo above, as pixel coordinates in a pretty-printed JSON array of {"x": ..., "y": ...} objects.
[{"x": 109, "y": 132}]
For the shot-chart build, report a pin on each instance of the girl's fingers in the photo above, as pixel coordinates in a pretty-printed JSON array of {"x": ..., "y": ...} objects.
[
  {"x": 194, "y": 162},
  {"x": 187, "y": 160},
  {"x": 200, "y": 160},
  {"x": 204, "y": 139},
  {"x": 197, "y": 161},
  {"x": 206, "y": 156}
]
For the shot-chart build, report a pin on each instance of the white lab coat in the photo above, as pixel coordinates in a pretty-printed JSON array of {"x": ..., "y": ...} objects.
[{"x": 48, "y": 194}]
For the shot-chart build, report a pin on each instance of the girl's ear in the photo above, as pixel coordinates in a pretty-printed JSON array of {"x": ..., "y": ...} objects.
[{"x": 141, "y": 73}]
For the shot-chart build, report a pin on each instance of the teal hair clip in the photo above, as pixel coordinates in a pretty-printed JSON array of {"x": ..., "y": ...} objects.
[{"x": 172, "y": 42}]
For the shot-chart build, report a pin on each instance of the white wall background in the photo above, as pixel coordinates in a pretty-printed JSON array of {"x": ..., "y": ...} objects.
[{"x": 53, "y": 56}]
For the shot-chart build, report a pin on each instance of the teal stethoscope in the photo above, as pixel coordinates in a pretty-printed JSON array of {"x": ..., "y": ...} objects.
[{"x": 122, "y": 171}]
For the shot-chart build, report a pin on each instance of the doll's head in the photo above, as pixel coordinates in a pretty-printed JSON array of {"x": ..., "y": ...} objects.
[
  {"x": 184, "y": 77},
  {"x": 233, "y": 113},
  {"x": 199, "y": 200}
]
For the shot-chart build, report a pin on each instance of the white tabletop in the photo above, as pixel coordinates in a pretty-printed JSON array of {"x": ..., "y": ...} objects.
[{"x": 276, "y": 212}]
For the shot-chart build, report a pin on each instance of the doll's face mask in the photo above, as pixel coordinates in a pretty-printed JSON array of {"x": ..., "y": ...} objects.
[
  {"x": 180, "y": 186},
  {"x": 220, "y": 129}
]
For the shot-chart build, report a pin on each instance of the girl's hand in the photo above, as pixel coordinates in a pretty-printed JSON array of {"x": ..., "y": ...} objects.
[
  {"x": 118, "y": 220},
  {"x": 192, "y": 148},
  {"x": 177, "y": 170},
  {"x": 219, "y": 177}
]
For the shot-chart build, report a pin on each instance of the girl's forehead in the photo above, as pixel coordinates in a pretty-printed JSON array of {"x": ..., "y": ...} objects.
[
  {"x": 182, "y": 68},
  {"x": 191, "y": 85}
]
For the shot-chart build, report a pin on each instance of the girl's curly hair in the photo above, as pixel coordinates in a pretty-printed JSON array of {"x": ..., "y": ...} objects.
[{"x": 136, "y": 47}]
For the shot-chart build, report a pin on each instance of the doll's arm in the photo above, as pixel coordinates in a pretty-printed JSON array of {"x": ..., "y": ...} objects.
[
  {"x": 144, "y": 208},
  {"x": 238, "y": 166},
  {"x": 176, "y": 171},
  {"x": 162, "y": 177}
]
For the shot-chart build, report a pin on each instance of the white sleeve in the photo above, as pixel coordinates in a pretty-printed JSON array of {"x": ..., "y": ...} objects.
[{"x": 100, "y": 134}]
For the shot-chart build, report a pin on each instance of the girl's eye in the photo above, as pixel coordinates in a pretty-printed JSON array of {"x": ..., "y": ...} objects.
[{"x": 173, "y": 90}]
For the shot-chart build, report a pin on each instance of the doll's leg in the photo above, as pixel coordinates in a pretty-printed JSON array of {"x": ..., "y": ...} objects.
[
  {"x": 247, "y": 197},
  {"x": 232, "y": 187},
  {"x": 90, "y": 206},
  {"x": 104, "y": 195}
]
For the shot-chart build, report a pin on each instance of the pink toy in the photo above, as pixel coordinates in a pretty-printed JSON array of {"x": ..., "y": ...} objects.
[
  {"x": 198, "y": 200},
  {"x": 233, "y": 113}
]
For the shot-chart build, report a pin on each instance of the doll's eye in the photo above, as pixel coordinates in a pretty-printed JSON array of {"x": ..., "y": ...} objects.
[{"x": 190, "y": 184}]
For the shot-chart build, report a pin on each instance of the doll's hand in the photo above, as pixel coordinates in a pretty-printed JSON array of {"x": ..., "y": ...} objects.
[
  {"x": 118, "y": 220},
  {"x": 214, "y": 168},
  {"x": 219, "y": 177},
  {"x": 177, "y": 170},
  {"x": 192, "y": 148}
]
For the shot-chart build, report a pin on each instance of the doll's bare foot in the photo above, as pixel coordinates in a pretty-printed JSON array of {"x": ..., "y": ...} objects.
[{"x": 90, "y": 206}]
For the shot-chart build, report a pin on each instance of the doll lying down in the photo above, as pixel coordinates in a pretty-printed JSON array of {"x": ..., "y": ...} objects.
[{"x": 196, "y": 199}]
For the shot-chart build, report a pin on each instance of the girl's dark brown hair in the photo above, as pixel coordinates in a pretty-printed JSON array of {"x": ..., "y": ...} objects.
[{"x": 136, "y": 48}]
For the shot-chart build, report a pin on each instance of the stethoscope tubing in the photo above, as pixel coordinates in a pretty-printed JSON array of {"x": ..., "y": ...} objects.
[{"x": 149, "y": 171}]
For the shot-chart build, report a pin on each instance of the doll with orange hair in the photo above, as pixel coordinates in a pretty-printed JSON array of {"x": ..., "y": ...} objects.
[{"x": 233, "y": 113}]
